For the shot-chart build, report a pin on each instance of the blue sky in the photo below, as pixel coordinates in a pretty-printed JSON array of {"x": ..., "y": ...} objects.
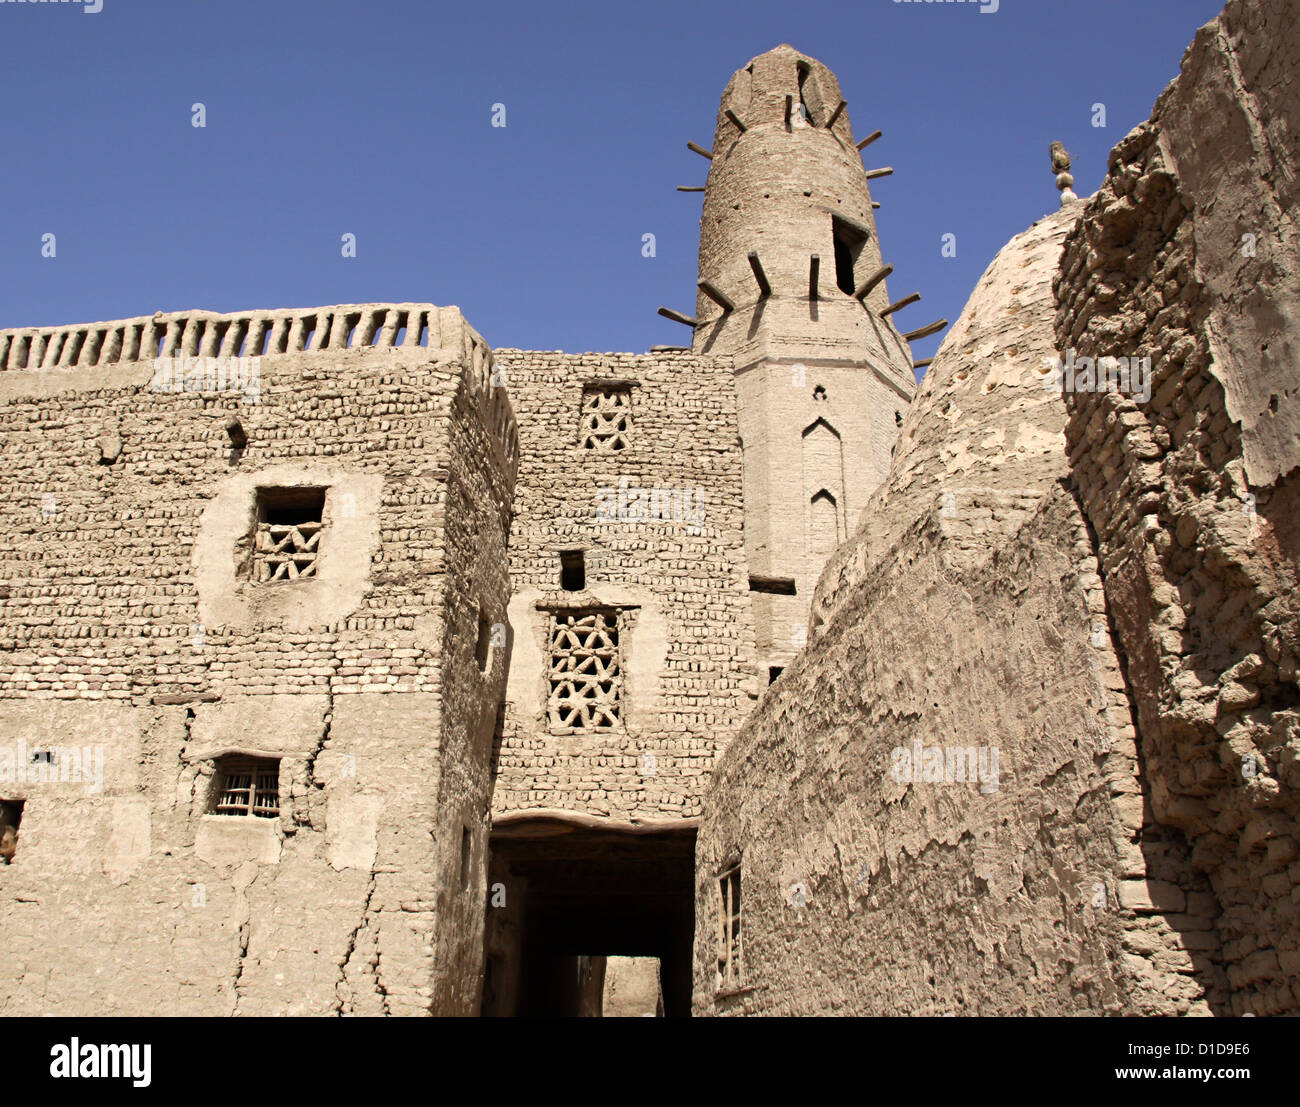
[{"x": 374, "y": 119}]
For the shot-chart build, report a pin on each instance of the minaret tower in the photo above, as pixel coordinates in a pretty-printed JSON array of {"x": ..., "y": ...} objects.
[{"x": 792, "y": 284}]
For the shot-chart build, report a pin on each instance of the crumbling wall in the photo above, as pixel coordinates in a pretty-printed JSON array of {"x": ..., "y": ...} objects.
[
  {"x": 125, "y": 896},
  {"x": 677, "y": 574},
  {"x": 1187, "y": 255}
]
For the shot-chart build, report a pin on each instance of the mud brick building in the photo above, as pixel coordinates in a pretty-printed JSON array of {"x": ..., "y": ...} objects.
[{"x": 351, "y": 666}]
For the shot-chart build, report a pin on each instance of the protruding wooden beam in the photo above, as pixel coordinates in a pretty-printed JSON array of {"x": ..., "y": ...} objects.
[
  {"x": 690, "y": 188},
  {"x": 926, "y": 331},
  {"x": 875, "y": 204},
  {"x": 922, "y": 364},
  {"x": 864, "y": 289},
  {"x": 869, "y": 139},
  {"x": 872, "y": 174},
  {"x": 764, "y": 287},
  {"x": 736, "y": 120},
  {"x": 678, "y": 317},
  {"x": 836, "y": 113},
  {"x": 814, "y": 269},
  {"x": 700, "y": 150},
  {"x": 716, "y": 295},
  {"x": 898, "y": 305}
]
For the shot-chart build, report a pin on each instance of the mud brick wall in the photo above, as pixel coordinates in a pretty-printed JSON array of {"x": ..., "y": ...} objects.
[
  {"x": 688, "y": 647},
  {"x": 967, "y": 611},
  {"x": 1187, "y": 255},
  {"x": 125, "y": 626}
]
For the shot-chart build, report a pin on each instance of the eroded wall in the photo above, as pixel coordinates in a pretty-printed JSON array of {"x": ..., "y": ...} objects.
[
  {"x": 1188, "y": 256},
  {"x": 127, "y": 630},
  {"x": 965, "y": 622}
]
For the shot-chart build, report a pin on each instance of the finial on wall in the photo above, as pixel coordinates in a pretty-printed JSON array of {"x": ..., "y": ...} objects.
[{"x": 1061, "y": 167}]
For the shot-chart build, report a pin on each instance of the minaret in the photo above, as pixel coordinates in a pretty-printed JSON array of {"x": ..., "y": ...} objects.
[{"x": 792, "y": 283}]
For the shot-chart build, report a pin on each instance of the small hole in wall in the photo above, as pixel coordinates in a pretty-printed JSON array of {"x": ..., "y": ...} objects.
[
  {"x": 898, "y": 418},
  {"x": 11, "y": 814},
  {"x": 482, "y": 647},
  {"x": 464, "y": 857},
  {"x": 773, "y": 672},
  {"x": 1272, "y": 403},
  {"x": 573, "y": 570}
]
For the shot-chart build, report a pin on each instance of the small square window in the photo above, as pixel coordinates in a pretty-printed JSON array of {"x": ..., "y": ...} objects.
[
  {"x": 606, "y": 417},
  {"x": 248, "y": 786},
  {"x": 286, "y": 545},
  {"x": 729, "y": 928}
]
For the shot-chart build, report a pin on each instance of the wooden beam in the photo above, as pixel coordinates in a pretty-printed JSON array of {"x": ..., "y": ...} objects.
[
  {"x": 875, "y": 204},
  {"x": 869, "y": 139},
  {"x": 699, "y": 150},
  {"x": 864, "y": 289},
  {"x": 814, "y": 268},
  {"x": 900, "y": 304},
  {"x": 836, "y": 113},
  {"x": 922, "y": 364},
  {"x": 764, "y": 288},
  {"x": 736, "y": 120},
  {"x": 872, "y": 174},
  {"x": 926, "y": 331},
  {"x": 716, "y": 295},
  {"x": 690, "y": 188},
  {"x": 678, "y": 317}
]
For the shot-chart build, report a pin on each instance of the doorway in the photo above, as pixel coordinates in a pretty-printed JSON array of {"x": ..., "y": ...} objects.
[{"x": 571, "y": 895}]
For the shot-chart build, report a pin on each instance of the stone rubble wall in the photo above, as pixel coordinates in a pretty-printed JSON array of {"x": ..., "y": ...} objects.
[{"x": 1188, "y": 255}]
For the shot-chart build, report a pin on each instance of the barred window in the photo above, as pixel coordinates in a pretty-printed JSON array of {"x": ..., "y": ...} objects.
[
  {"x": 248, "y": 786},
  {"x": 289, "y": 524},
  {"x": 586, "y": 675},
  {"x": 606, "y": 417},
  {"x": 729, "y": 928}
]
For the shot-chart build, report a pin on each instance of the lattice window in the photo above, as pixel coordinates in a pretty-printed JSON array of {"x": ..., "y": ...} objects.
[
  {"x": 248, "y": 786},
  {"x": 289, "y": 524},
  {"x": 729, "y": 928},
  {"x": 606, "y": 417},
  {"x": 586, "y": 675}
]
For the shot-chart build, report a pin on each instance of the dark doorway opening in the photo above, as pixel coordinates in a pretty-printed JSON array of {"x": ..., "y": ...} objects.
[
  {"x": 575, "y": 894},
  {"x": 849, "y": 241}
]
